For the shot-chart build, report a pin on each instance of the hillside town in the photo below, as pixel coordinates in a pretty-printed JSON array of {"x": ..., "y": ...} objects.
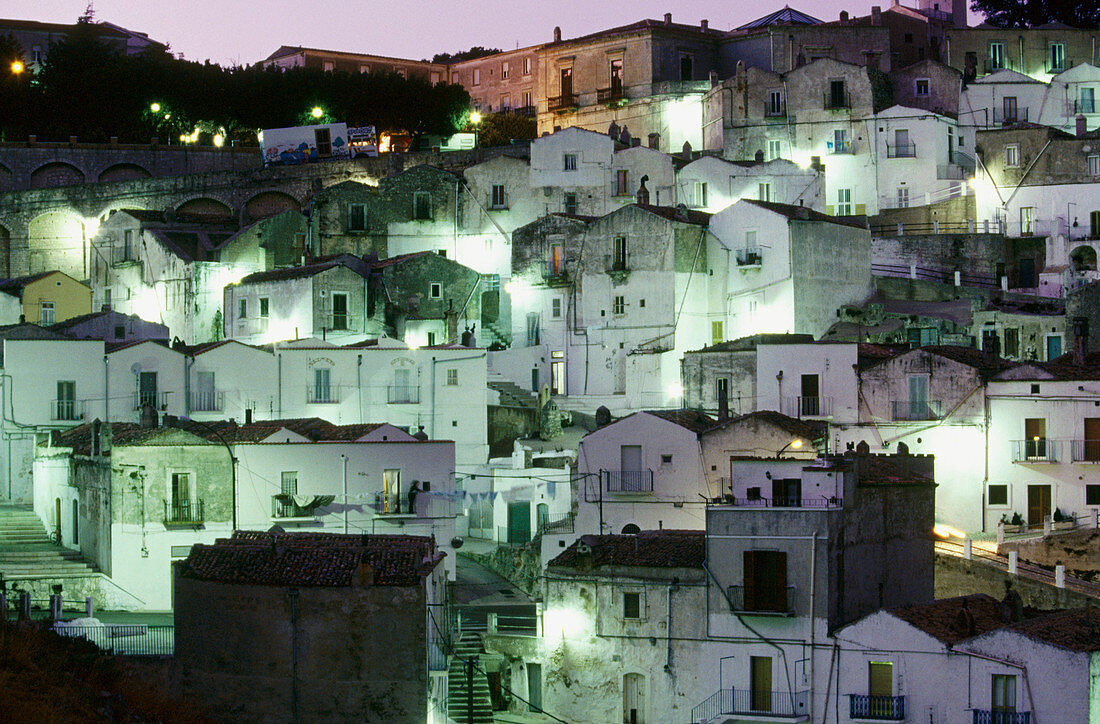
[{"x": 761, "y": 384}]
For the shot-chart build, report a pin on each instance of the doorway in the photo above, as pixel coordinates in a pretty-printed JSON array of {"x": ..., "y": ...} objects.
[
  {"x": 810, "y": 403},
  {"x": 1038, "y": 505},
  {"x": 57, "y": 518},
  {"x": 1092, "y": 440},
  {"x": 534, "y": 686},
  {"x": 634, "y": 699},
  {"x": 519, "y": 522}
]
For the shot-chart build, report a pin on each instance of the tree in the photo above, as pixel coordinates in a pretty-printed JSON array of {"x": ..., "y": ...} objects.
[
  {"x": 475, "y": 52},
  {"x": 1031, "y": 13},
  {"x": 499, "y": 129}
]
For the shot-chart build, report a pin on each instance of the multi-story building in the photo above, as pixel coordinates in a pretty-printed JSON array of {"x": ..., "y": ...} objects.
[
  {"x": 505, "y": 82},
  {"x": 35, "y": 38},
  {"x": 711, "y": 183},
  {"x": 45, "y": 298},
  {"x": 292, "y": 56},
  {"x": 1040, "y": 52}
]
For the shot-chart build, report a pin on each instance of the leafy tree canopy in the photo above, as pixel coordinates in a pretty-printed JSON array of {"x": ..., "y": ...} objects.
[
  {"x": 499, "y": 129},
  {"x": 475, "y": 52},
  {"x": 1030, "y": 13}
]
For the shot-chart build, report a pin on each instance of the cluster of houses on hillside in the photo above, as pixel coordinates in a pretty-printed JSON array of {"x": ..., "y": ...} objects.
[{"x": 800, "y": 292}]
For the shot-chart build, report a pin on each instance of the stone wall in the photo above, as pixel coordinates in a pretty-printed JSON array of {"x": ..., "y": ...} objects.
[
  {"x": 1077, "y": 550},
  {"x": 508, "y": 424},
  {"x": 959, "y": 577}
]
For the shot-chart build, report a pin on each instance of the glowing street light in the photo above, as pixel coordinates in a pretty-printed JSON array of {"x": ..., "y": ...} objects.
[
  {"x": 17, "y": 67},
  {"x": 475, "y": 117},
  {"x": 795, "y": 444},
  {"x": 155, "y": 107},
  {"x": 317, "y": 112}
]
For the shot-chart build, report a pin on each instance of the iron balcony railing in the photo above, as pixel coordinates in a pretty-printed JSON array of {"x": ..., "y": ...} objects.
[
  {"x": 754, "y": 702},
  {"x": 207, "y": 401},
  {"x": 901, "y": 150},
  {"x": 403, "y": 394},
  {"x": 782, "y": 501},
  {"x": 553, "y": 269},
  {"x": 392, "y": 504},
  {"x": 1086, "y": 451},
  {"x": 876, "y": 708},
  {"x": 994, "y": 716},
  {"x": 1087, "y": 105},
  {"x": 560, "y": 523},
  {"x": 1002, "y": 116},
  {"x": 627, "y": 481},
  {"x": 283, "y": 506},
  {"x": 775, "y": 110},
  {"x": 66, "y": 410},
  {"x": 912, "y": 410},
  {"x": 126, "y": 639},
  {"x": 1038, "y": 450},
  {"x": 183, "y": 511},
  {"x": 524, "y": 111},
  {"x": 157, "y": 400},
  {"x": 558, "y": 103},
  {"x": 752, "y": 256},
  {"x": 765, "y": 602},
  {"x": 609, "y": 95},
  {"x": 323, "y": 395},
  {"x": 840, "y": 147},
  {"x": 840, "y": 100},
  {"x": 809, "y": 406}
]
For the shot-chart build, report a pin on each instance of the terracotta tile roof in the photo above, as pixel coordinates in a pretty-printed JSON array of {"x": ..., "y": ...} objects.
[
  {"x": 1064, "y": 367},
  {"x": 647, "y": 24},
  {"x": 15, "y": 285},
  {"x": 79, "y": 438},
  {"x": 693, "y": 420},
  {"x": 744, "y": 344},
  {"x": 944, "y": 619},
  {"x": 27, "y": 330},
  {"x": 313, "y": 559},
  {"x": 674, "y": 213},
  {"x": 316, "y": 267},
  {"x": 1076, "y": 630},
  {"x": 886, "y": 470},
  {"x": 649, "y": 548},
  {"x": 314, "y": 429},
  {"x": 803, "y": 213},
  {"x": 806, "y": 429}
]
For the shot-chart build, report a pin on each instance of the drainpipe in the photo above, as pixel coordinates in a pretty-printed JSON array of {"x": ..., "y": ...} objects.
[
  {"x": 344, "y": 467},
  {"x": 279, "y": 377},
  {"x": 359, "y": 387},
  {"x": 813, "y": 610},
  {"x": 188, "y": 363},
  {"x": 292, "y": 594},
  {"x": 106, "y": 388}
]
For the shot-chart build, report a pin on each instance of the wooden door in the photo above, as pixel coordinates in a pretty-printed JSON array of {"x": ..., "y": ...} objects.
[
  {"x": 1092, "y": 439},
  {"x": 761, "y": 689},
  {"x": 1038, "y": 505},
  {"x": 634, "y": 699}
]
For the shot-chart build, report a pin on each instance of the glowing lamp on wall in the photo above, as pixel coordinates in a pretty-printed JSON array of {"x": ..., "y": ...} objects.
[
  {"x": 17, "y": 67},
  {"x": 569, "y": 621}
]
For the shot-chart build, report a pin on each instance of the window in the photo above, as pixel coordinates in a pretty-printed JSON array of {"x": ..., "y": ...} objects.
[
  {"x": 1004, "y": 693},
  {"x": 441, "y": 252},
  {"x": 618, "y": 305},
  {"x": 532, "y": 330},
  {"x": 840, "y": 141},
  {"x": 288, "y": 485},
  {"x": 147, "y": 389},
  {"x": 775, "y": 149},
  {"x": 504, "y": 70},
  {"x": 323, "y": 141},
  {"x": 128, "y": 245},
  {"x": 477, "y": 76},
  {"x": 722, "y": 388},
  {"x": 555, "y": 307},
  {"x": 1094, "y": 165},
  {"x": 45, "y": 313},
  {"x": 66, "y": 400},
  {"x": 903, "y": 197},
  {"x": 452, "y": 377},
  {"x": 555, "y": 263},
  {"x": 880, "y": 679},
  {"x": 764, "y": 191},
  {"x": 1094, "y": 224},
  {"x": 765, "y": 580},
  {"x": 843, "y": 202},
  {"x": 1012, "y": 155},
  {"x": 666, "y": 459},
  {"x": 499, "y": 200},
  {"x": 242, "y": 309},
  {"x": 180, "y": 498},
  {"x": 998, "y": 495},
  {"x": 921, "y": 87},
  {"x": 1087, "y": 103},
  {"x": 569, "y": 162},
  {"x": 422, "y": 206},
  {"x": 357, "y": 217},
  {"x": 527, "y": 99},
  {"x": 1057, "y": 57},
  {"x": 622, "y": 186},
  {"x": 364, "y": 69},
  {"x": 435, "y": 290},
  {"x": 527, "y": 66},
  {"x": 339, "y": 311},
  {"x": 391, "y": 491},
  {"x": 618, "y": 254},
  {"x": 505, "y": 102},
  {"x": 569, "y": 203},
  {"x": 322, "y": 385},
  {"x": 1092, "y": 494},
  {"x": 1027, "y": 220},
  {"x": 1012, "y": 341},
  {"x": 996, "y": 56},
  {"x": 1011, "y": 110},
  {"x": 701, "y": 194},
  {"x": 1035, "y": 437},
  {"x": 327, "y": 66},
  {"x": 615, "y": 76},
  {"x": 265, "y": 307},
  {"x": 204, "y": 398},
  {"x": 717, "y": 333},
  {"x": 632, "y": 604},
  {"x": 1054, "y": 346},
  {"x": 775, "y": 103},
  {"x": 686, "y": 67},
  {"x": 902, "y": 147},
  {"x": 838, "y": 94},
  {"x": 401, "y": 72},
  {"x": 120, "y": 331}
]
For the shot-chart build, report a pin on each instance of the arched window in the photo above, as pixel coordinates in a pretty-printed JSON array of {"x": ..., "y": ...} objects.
[{"x": 631, "y": 529}]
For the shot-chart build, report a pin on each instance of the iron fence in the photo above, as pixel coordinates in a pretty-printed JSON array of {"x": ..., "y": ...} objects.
[{"x": 126, "y": 639}]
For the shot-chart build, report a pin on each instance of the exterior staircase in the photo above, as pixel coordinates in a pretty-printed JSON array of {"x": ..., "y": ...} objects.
[
  {"x": 511, "y": 394},
  {"x": 468, "y": 646},
  {"x": 494, "y": 333},
  {"x": 28, "y": 554}
]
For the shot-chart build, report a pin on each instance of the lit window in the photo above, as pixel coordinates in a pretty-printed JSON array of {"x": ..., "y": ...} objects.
[
  {"x": 504, "y": 70},
  {"x": 996, "y": 56},
  {"x": 764, "y": 191},
  {"x": 1012, "y": 155},
  {"x": 569, "y": 162},
  {"x": 327, "y": 66},
  {"x": 527, "y": 66},
  {"x": 363, "y": 69},
  {"x": 1057, "y": 57},
  {"x": 452, "y": 377}
]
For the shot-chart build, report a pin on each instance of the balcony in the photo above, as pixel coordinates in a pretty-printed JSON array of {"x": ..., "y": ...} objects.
[
  {"x": 403, "y": 394},
  {"x": 775, "y": 705},
  {"x": 208, "y": 401},
  {"x": 562, "y": 102},
  {"x": 614, "y": 94},
  {"x": 837, "y": 101},
  {"x": 323, "y": 395},
  {"x": 560, "y": 523},
  {"x": 988, "y": 716},
  {"x": 157, "y": 400},
  {"x": 66, "y": 410},
  {"x": 752, "y": 256},
  {"x": 775, "y": 110},
  {"x": 183, "y": 512},
  {"x": 1003, "y": 117},
  {"x": 1038, "y": 450},
  {"x": 915, "y": 410},
  {"x": 627, "y": 481},
  {"x": 839, "y": 147},
  {"x": 809, "y": 406},
  {"x": 524, "y": 111},
  {"x": 876, "y": 708},
  {"x": 1086, "y": 451},
  {"x": 283, "y": 507},
  {"x": 554, "y": 270},
  {"x": 392, "y": 504},
  {"x": 764, "y": 603},
  {"x": 758, "y": 501},
  {"x": 901, "y": 150},
  {"x": 1084, "y": 106}
]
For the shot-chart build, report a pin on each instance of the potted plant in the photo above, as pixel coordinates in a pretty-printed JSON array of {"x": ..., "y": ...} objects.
[
  {"x": 1062, "y": 521},
  {"x": 1015, "y": 524}
]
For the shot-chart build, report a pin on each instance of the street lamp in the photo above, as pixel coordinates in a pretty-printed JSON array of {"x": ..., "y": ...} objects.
[
  {"x": 795, "y": 444},
  {"x": 317, "y": 112},
  {"x": 154, "y": 107},
  {"x": 17, "y": 67}
]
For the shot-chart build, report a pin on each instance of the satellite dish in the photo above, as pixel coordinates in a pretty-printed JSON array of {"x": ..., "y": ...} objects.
[{"x": 135, "y": 368}]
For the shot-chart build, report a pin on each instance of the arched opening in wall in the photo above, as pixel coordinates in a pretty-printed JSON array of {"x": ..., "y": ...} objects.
[
  {"x": 634, "y": 698},
  {"x": 54, "y": 174},
  {"x": 123, "y": 172},
  {"x": 7, "y": 178},
  {"x": 55, "y": 240},
  {"x": 210, "y": 208},
  {"x": 269, "y": 203},
  {"x": 1083, "y": 258},
  {"x": 631, "y": 529}
]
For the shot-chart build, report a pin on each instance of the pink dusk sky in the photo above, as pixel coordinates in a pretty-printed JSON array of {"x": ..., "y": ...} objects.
[{"x": 245, "y": 31}]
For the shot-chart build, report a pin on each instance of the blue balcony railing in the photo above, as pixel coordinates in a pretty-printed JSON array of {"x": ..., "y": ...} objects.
[
  {"x": 627, "y": 481},
  {"x": 876, "y": 708},
  {"x": 987, "y": 716}
]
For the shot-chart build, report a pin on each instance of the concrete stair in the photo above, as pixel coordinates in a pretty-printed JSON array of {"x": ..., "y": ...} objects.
[
  {"x": 511, "y": 394},
  {"x": 27, "y": 553},
  {"x": 494, "y": 333},
  {"x": 468, "y": 646}
]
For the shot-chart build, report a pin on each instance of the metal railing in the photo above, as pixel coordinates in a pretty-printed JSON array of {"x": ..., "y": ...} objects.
[
  {"x": 772, "y": 111},
  {"x": 783, "y": 501},
  {"x": 512, "y": 625},
  {"x": 881, "y": 708},
  {"x": 126, "y": 639},
  {"x": 1080, "y": 106},
  {"x": 66, "y": 410},
  {"x": 912, "y": 410},
  {"x": 283, "y": 506},
  {"x": 751, "y": 256},
  {"x": 775, "y": 603},
  {"x": 990, "y": 716},
  {"x": 1001, "y": 116},
  {"x": 159, "y": 400},
  {"x": 325, "y": 395},
  {"x": 837, "y": 101},
  {"x": 558, "y": 103},
  {"x": 553, "y": 269},
  {"x": 207, "y": 401},
  {"x": 560, "y": 523},
  {"x": 627, "y": 481},
  {"x": 1035, "y": 451},
  {"x": 609, "y": 95},
  {"x": 392, "y": 504},
  {"x": 752, "y": 701},
  {"x": 809, "y": 406},
  {"x": 840, "y": 147},
  {"x": 965, "y": 279},
  {"x": 403, "y": 394},
  {"x": 1086, "y": 451},
  {"x": 901, "y": 150},
  {"x": 183, "y": 511}
]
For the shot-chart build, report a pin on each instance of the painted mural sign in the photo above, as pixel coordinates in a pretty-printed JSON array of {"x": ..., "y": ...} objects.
[
  {"x": 304, "y": 144},
  {"x": 363, "y": 141}
]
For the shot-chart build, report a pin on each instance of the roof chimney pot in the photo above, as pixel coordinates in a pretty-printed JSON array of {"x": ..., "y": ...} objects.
[{"x": 668, "y": 18}]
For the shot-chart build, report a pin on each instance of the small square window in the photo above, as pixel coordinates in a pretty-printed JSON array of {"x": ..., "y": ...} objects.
[
  {"x": 641, "y": 304},
  {"x": 998, "y": 494},
  {"x": 921, "y": 87},
  {"x": 452, "y": 377},
  {"x": 120, "y": 331},
  {"x": 1035, "y": 388},
  {"x": 753, "y": 493},
  {"x": 1012, "y": 155},
  {"x": 1092, "y": 495},
  {"x": 632, "y": 604},
  {"x": 666, "y": 459},
  {"x": 569, "y": 162},
  {"x": 435, "y": 290}
]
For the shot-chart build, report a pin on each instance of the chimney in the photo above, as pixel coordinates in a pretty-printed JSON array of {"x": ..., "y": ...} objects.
[
  {"x": 654, "y": 140},
  {"x": 642, "y": 195},
  {"x": 843, "y": 17},
  {"x": 668, "y": 18},
  {"x": 364, "y": 575},
  {"x": 1082, "y": 126},
  {"x": 714, "y": 79},
  {"x": 704, "y": 25},
  {"x": 105, "y": 308},
  {"x": 557, "y": 34},
  {"x": 452, "y": 326},
  {"x": 686, "y": 151},
  {"x": 723, "y": 408},
  {"x": 248, "y": 415},
  {"x": 1080, "y": 340},
  {"x": 759, "y": 157},
  {"x": 97, "y": 432},
  {"x": 876, "y": 15},
  {"x": 148, "y": 417}
]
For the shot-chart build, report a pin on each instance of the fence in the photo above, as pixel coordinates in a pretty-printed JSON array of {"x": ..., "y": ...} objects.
[
  {"x": 125, "y": 639},
  {"x": 957, "y": 277}
]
